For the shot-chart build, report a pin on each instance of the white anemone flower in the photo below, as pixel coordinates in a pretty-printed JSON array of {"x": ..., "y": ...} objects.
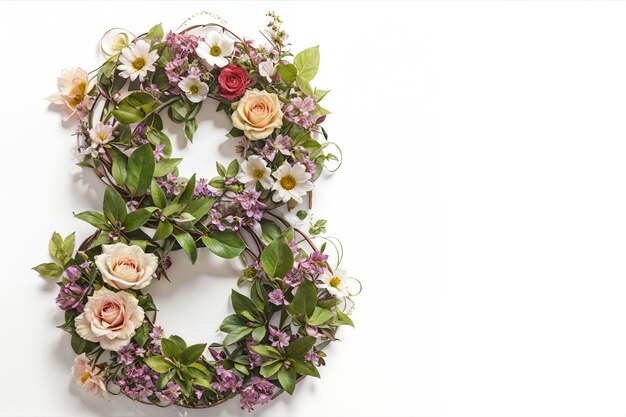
[
  {"x": 215, "y": 49},
  {"x": 101, "y": 133},
  {"x": 292, "y": 182},
  {"x": 336, "y": 284},
  {"x": 267, "y": 69},
  {"x": 137, "y": 60},
  {"x": 255, "y": 169},
  {"x": 195, "y": 90}
]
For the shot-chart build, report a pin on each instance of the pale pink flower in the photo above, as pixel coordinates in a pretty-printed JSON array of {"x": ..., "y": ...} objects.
[{"x": 90, "y": 378}]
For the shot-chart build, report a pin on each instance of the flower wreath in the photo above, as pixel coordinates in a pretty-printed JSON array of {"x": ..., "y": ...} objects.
[{"x": 297, "y": 301}]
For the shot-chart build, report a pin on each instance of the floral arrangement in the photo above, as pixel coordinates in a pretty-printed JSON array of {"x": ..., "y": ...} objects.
[{"x": 296, "y": 300}]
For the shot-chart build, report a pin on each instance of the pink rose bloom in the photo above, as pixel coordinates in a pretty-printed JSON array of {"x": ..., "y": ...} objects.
[
  {"x": 90, "y": 379},
  {"x": 109, "y": 318}
]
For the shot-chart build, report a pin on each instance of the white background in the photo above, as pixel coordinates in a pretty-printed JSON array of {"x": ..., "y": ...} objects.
[{"x": 481, "y": 202}]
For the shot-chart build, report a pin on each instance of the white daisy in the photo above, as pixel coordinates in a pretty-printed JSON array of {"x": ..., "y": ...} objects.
[
  {"x": 137, "y": 60},
  {"x": 336, "y": 284},
  {"x": 215, "y": 49},
  {"x": 292, "y": 182},
  {"x": 255, "y": 169},
  {"x": 101, "y": 133},
  {"x": 195, "y": 90}
]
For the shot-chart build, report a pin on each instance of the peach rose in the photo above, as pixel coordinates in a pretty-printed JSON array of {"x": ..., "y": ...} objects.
[
  {"x": 258, "y": 113},
  {"x": 125, "y": 267},
  {"x": 73, "y": 86},
  {"x": 110, "y": 318},
  {"x": 90, "y": 378}
]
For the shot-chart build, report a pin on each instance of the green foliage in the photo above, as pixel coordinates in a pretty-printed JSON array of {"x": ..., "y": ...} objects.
[
  {"x": 226, "y": 244},
  {"x": 141, "y": 168},
  {"x": 277, "y": 259},
  {"x": 113, "y": 206},
  {"x": 307, "y": 62}
]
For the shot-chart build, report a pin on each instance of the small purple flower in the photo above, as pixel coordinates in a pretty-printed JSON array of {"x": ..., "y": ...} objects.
[
  {"x": 170, "y": 393},
  {"x": 73, "y": 273},
  {"x": 268, "y": 151},
  {"x": 299, "y": 110},
  {"x": 156, "y": 334},
  {"x": 257, "y": 392},
  {"x": 226, "y": 380},
  {"x": 278, "y": 338},
  {"x": 283, "y": 144},
  {"x": 314, "y": 357},
  {"x": 71, "y": 297},
  {"x": 276, "y": 297},
  {"x": 158, "y": 152},
  {"x": 202, "y": 189}
]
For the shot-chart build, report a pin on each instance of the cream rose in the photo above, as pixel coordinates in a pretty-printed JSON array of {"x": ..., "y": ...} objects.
[
  {"x": 258, "y": 113},
  {"x": 125, "y": 267},
  {"x": 110, "y": 318}
]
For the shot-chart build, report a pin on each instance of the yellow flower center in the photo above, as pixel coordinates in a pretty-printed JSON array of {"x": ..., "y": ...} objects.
[
  {"x": 193, "y": 89},
  {"x": 216, "y": 50},
  {"x": 288, "y": 182},
  {"x": 258, "y": 173},
  {"x": 334, "y": 282},
  {"x": 101, "y": 135},
  {"x": 84, "y": 378},
  {"x": 138, "y": 63}
]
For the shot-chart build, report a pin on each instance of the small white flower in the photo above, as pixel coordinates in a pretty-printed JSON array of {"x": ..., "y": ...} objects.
[
  {"x": 101, "y": 133},
  {"x": 137, "y": 60},
  {"x": 292, "y": 182},
  {"x": 255, "y": 169},
  {"x": 293, "y": 217},
  {"x": 336, "y": 284},
  {"x": 215, "y": 49},
  {"x": 267, "y": 69},
  {"x": 195, "y": 90}
]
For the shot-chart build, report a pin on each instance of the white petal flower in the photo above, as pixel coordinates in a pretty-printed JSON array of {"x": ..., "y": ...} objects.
[
  {"x": 292, "y": 182},
  {"x": 90, "y": 378},
  {"x": 293, "y": 217},
  {"x": 336, "y": 284},
  {"x": 267, "y": 69},
  {"x": 101, "y": 133},
  {"x": 255, "y": 169},
  {"x": 215, "y": 49},
  {"x": 136, "y": 60},
  {"x": 195, "y": 90}
]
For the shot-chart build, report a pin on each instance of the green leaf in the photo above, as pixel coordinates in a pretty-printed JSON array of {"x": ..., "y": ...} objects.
[
  {"x": 266, "y": 351},
  {"x": 270, "y": 231},
  {"x": 163, "y": 379},
  {"x": 158, "y": 196},
  {"x": 287, "y": 379},
  {"x": 49, "y": 270},
  {"x": 304, "y": 86},
  {"x": 55, "y": 247},
  {"x": 179, "y": 340},
  {"x": 270, "y": 368},
  {"x": 127, "y": 114},
  {"x": 343, "y": 319},
  {"x": 242, "y": 304},
  {"x": 307, "y": 62},
  {"x": 158, "y": 363},
  {"x": 185, "y": 196},
  {"x": 155, "y": 32},
  {"x": 237, "y": 334},
  {"x": 259, "y": 333},
  {"x": 203, "y": 382},
  {"x": 305, "y": 368},
  {"x": 140, "y": 169},
  {"x": 186, "y": 242},
  {"x": 192, "y": 353},
  {"x": 136, "y": 219},
  {"x": 165, "y": 166},
  {"x": 305, "y": 299},
  {"x": 120, "y": 165},
  {"x": 94, "y": 218},
  {"x": 277, "y": 259},
  {"x": 196, "y": 369},
  {"x": 164, "y": 229},
  {"x": 140, "y": 100},
  {"x": 226, "y": 244},
  {"x": 80, "y": 345},
  {"x": 189, "y": 128},
  {"x": 231, "y": 322},
  {"x": 141, "y": 335},
  {"x": 233, "y": 168},
  {"x": 171, "y": 349},
  {"x": 114, "y": 207},
  {"x": 68, "y": 245},
  {"x": 320, "y": 316},
  {"x": 287, "y": 72},
  {"x": 298, "y": 348},
  {"x": 198, "y": 207}
]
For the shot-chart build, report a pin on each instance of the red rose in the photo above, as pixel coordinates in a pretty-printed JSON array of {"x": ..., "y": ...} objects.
[{"x": 233, "y": 81}]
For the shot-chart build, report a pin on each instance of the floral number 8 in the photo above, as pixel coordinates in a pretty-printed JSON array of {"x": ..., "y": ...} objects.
[{"x": 296, "y": 301}]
